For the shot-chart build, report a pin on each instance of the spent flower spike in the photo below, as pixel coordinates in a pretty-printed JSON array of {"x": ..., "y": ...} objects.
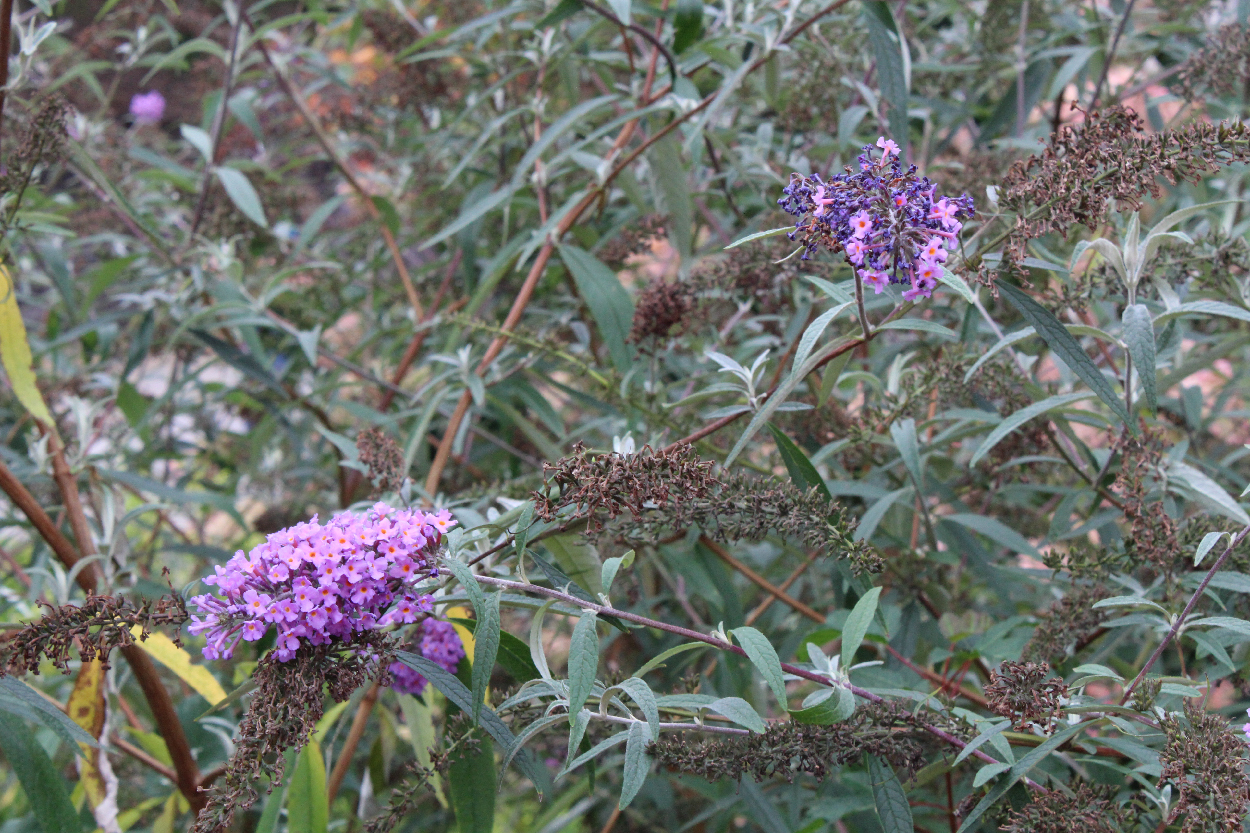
[
  {"x": 887, "y": 219},
  {"x": 315, "y": 583}
]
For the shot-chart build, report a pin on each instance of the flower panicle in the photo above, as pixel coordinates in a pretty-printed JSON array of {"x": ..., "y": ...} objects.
[
  {"x": 889, "y": 221},
  {"x": 317, "y": 583}
]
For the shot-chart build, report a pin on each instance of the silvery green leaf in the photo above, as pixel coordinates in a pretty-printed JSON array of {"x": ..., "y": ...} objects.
[
  {"x": 1139, "y": 335},
  {"x": 759, "y": 235},
  {"x": 1208, "y": 541},
  {"x": 987, "y": 772},
  {"x": 857, "y": 624},
  {"x": 1206, "y": 491},
  {"x": 583, "y": 661},
  {"x": 636, "y": 763},
  {"x": 740, "y": 712},
  {"x": 762, "y": 654}
]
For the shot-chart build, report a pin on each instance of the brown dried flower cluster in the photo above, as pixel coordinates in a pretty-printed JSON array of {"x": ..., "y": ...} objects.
[
  {"x": 383, "y": 457},
  {"x": 757, "y": 273},
  {"x": 1107, "y": 158},
  {"x": 1087, "y": 809},
  {"x": 1222, "y": 65},
  {"x": 662, "y": 306},
  {"x": 40, "y": 139},
  {"x": 1066, "y": 624},
  {"x": 672, "y": 490},
  {"x": 288, "y": 701},
  {"x": 605, "y": 485},
  {"x": 96, "y": 627},
  {"x": 1206, "y": 761},
  {"x": 1023, "y": 692},
  {"x": 789, "y": 749},
  {"x": 632, "y": 240},
  {"x": 404, "y": 799},
  {"x": 1152, "y": 540}
]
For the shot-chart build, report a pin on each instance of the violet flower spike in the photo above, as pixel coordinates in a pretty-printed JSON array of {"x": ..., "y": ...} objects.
[{"x": 890, "y": 223}]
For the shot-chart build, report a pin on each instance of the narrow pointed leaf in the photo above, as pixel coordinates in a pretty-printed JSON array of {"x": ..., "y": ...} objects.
[
  {"x": 762, "y": 654},
  {"x": 1139, "y": 335},
  {"x": 1067, "y": 348},
  {"x": 583, "y": 661}
]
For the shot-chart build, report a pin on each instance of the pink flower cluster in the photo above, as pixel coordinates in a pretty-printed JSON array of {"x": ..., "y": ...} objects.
[
  {"x": 316, "y": 582},
  {"x": 888, "y": 220},
  {"x": 439, "y": 643}
]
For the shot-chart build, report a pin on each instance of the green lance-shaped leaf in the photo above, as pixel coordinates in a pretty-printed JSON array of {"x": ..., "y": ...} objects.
[
  {"x": 240, "y": 191},
  {"x": 514, "y": 654},
  {"x": 636, "y": 762},
  {"x": 687, "y": 24},
  {"x": 762, "y": 654},
  {"x": 1139, "y": 335},
  {"x": 802, "y": 473},
  {"x": 486, "y": 638},
  {"x": 836, "y": 704},
  {"x": 1017, "y": 772},
  {"x": 609, "y": 303},
  {"x": 892, "y": 66},
  {"x": 1066, "y": 347},
  {"x": 471, "y": 788},
  {"x": 891, "y": 800},
  {"x": 740, "y": 712},
  {"x": 458, "y": 693},
  {"x": 486, "y": 634},
  {"x": 857, "y": 623},
  {"x": 583, "y": 661},
  {"x": 306, "y": 807},
  {"x": 43, "y": 785},
  {"x": 19, "y": 699},
  {"x": 1022, "y": 416}
]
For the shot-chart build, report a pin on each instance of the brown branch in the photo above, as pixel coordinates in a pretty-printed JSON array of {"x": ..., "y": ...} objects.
[
  {"x": 6, "y": 39},
  {"x": 1180, "y": 620},
  {"x": 162, "y": 707},
  {"x": 760, "y": 581},
  {"x": 570, "y": 219},
  {"x": 785, "y": 585},
  {"x": 949, "y": 687},
  {"x": 605, "y": 610},
  {"x": 323, "y": 139},
  {"x": 144, "y": 758},
  {"x": 353, "y": 740},
  {"x": 418, "y": 338}
]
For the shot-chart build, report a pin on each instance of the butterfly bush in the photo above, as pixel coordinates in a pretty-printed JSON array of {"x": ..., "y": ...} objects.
[
  {"x": 314, "y": 583},
  {"x": 890, "y": 222}
]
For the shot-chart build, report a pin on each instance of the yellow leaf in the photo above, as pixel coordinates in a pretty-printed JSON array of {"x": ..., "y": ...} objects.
[
  {"x": 15, "y": 353},
  {"x": 129, "y": 818},
  {"x": 466, "y": 635},
  {"x": 175, "y": 806},
  {"x": 86, "y": 708},
  {"x": 164, "y": 651}
]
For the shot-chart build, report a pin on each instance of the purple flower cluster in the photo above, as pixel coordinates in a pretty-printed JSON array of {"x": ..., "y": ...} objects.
[
  {"x": 317, "y": 582},
  {"x": 147, "y": 108},
  {"x": 890, "y": 223},
  {"x": 439, "y": 643}
]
